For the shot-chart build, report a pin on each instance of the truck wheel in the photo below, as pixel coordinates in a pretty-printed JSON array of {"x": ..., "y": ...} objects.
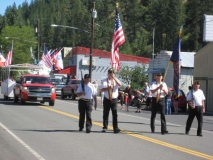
[
  {"x": 184, "y": 109},
  {"x": 5, "y": 97},
  {"x": 73, "y": 95},
  {"x": 15, "y": 100},
  {"x": 51, "y": 103},
  {"x": 22, "y": 101},
  {"x": 62, "y": 94}
]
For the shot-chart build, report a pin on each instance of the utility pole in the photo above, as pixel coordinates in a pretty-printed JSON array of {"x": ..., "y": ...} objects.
[
  {"x": 153, "y": 48},
  {"x": 94, "y": 15},
  {"x": 37, "y": 31}
]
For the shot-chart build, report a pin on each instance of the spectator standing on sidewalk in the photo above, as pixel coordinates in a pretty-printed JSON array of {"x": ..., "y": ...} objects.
[
  {"x": 168, "y": 102},
  {"x": 148, "y": 95}
]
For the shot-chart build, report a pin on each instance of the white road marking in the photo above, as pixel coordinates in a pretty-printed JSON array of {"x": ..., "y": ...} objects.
[
  {"x": 22, "y": 142},
  {"x": 147, "y": 119}
]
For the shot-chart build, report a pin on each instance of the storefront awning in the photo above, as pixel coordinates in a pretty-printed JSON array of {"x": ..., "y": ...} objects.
[
  {"x": 154, "y": 71},
  {"x": 71, "y": 70}
]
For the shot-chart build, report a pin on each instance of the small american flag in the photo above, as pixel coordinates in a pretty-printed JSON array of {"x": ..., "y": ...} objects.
[
  {"x": 9, "y": 57},
  {"x": 46, "y": 58},
  {"x": 118, "y": 40}
]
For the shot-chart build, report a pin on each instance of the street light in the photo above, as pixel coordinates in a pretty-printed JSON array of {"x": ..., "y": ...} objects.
[
  {"x": 54, "y": 25},
  {"x": 20, "y": 39}
]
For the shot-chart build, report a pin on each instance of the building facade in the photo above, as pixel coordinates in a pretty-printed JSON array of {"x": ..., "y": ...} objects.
[
  {"x": 78, "y": 61},
  {"x": 203, "y": 73},
  {"x": 162, "y": 60}
]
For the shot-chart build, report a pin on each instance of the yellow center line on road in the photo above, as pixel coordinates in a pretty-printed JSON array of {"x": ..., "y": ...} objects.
[{"x": 182, "y": 149}]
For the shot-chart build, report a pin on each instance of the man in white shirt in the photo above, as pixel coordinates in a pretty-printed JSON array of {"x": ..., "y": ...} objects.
[
  {"x": 159, "y": 90},
  {"x": 147, "y": 94},
  {"x": 10, "y": 79},
  {"x": 195, "y": 98},
  {"x": 110, "y": 88},
  {"x": 86, "y": 93}
]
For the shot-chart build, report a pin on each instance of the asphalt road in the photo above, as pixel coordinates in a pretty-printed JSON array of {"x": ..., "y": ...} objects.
[{"x": 34, "y": 131}]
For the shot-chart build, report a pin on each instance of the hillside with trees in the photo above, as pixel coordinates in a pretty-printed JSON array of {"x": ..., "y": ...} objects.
[{"x": 138, "y": 17}]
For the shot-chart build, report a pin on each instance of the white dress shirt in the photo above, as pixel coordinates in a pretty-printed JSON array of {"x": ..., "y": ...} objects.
[
  {"x": 106, "y": 83},
  {"x": 161, "y": 92},
  {"x": 90, "y": 91},
  {"x": 196, "y": 96}
]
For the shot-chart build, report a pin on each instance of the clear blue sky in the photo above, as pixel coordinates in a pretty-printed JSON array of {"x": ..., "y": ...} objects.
[{"x": 5, "y": 3}]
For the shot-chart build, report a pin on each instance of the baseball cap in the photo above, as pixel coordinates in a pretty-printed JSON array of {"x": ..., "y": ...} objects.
[
  {"x": 86, "y": 76},
  {"x": 111, "y": 70},
  {"x": 158, "y": 74}
]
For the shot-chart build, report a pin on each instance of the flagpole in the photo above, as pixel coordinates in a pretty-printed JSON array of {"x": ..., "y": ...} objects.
[{"x": 167, "y": 68}]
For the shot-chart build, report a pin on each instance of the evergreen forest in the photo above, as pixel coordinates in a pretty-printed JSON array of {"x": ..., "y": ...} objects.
[{"x": 139, "y": 18}]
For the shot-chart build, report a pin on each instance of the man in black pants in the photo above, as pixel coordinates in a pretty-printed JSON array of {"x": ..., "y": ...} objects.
[
  {"x": 110, "y": 88},
  {"x": 86, "y": 91},
  {"x": 159, "y": 90},
  {"x": 195, "y": 99}
]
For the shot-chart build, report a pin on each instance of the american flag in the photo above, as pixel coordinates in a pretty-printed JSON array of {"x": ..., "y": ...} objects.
[
  {"x": 118, "y": 40},
  {"x": 9, "y": 57},
  {"x": 46, "y": 58}
]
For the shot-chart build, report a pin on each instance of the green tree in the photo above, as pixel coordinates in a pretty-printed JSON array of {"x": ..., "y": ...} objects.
[
  {"x": 133, "y": 76},
  {"x": 21, "y": 48},
  {"x": 195, "y": 9}
]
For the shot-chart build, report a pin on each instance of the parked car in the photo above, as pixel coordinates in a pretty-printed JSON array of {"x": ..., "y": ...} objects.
[
  {"x": 58, "y": 89},
  {"x": 56, "y": 81},
  {"x": 182, "y": 102},
  {"x": 69, "y": 90}
]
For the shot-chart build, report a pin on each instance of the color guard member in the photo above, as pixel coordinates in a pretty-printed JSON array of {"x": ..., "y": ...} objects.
[
  {"x": 159, "y": 90},
  {"x": 195, "y": 98},
  {"x": 86, "y": 93},
  {"x": 110, "y": 88}
]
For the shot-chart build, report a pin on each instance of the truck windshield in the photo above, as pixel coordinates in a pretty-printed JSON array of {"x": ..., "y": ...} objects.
[{"x": 40, "y": 80}]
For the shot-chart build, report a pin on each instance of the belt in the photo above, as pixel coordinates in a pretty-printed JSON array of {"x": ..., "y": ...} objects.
[
  {"x": 83, "y": 99},
  {"x": 160, "y": 97},
  {"x": 111, "y": 99}
]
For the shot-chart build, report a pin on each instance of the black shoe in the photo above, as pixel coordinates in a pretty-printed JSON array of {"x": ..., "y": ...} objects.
[
  {"x": 104, "y": 130},
  {"x": 153, "y": 131},
  {"x": 200, "y": 135},
  {"x": 136, "y": 111},
  {"x": 164, "y": 132},
  {"x": 117, "y": 130},
  {"x": 88, "y": 131},
  {"x": 80, "y": 129},
  {"x": 187, "y": 132}
]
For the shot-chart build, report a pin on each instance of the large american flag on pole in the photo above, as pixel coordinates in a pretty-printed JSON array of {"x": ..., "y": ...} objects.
[
  {"x": 118, "y": 39},
  {"x": 9, "y": 57},
  {"x": 46, "y": 58}
]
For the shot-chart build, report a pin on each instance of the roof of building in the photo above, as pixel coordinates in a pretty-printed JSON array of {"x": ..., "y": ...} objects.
[
  {"x": 187, "y": 58},
  {"x": 106, "y": 54}
]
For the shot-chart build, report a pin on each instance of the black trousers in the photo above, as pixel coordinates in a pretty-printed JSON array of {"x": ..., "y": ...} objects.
[
  {"x": 85, "y": 107},
  {"x": 161, "y": 107},
  {"x": 110, "y": 104},
  {"x": 198, "y": 112}
]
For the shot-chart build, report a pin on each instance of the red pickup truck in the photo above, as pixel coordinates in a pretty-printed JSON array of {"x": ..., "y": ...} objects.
[
  {"x": 36, "y": 88},
  {"x": 69, "y": 90}
]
